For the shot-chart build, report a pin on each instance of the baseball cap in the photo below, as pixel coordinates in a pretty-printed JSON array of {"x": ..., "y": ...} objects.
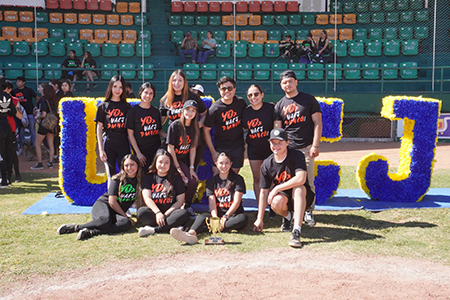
[
  {"x": 279, "y": 134},
  {"x": 288, "y": 74},
  {"x": 188, "y": 33},
  {"x": 198, "y": 87},
  {"x": 190, "y": 103}
]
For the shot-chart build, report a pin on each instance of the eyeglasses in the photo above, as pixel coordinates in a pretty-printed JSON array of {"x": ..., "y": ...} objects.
[
  {"x": 250, "y": 95},
  {"x": 226, "y": 88}
]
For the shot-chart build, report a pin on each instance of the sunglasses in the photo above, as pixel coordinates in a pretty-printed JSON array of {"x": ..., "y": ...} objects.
[
  {"x": 250, "y": 95},
  {"x": 226, "y": 88}
]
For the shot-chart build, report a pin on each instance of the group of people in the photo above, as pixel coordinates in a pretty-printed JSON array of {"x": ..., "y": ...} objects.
[
  {"x": 189, "y": 46},
  {"x": 160, "y": 177},
  {"x": 309, "y": 51},
  {"x": 71, "y": 65}
]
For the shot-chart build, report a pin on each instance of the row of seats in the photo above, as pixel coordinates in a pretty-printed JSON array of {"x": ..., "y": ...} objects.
[
  {"x": 105, "y": 5},
  {"x": 264, "y": 71},
  {"x": 260, "y": 36},
  {"x": 241, "y": 6},
  {"x": 53, "y": 71},
  {"x": 377, "y": 48},
  {"x": 73, "y": 18},
  {"x": 376, "y": 6},
  {"x": 391, "y": 33}
]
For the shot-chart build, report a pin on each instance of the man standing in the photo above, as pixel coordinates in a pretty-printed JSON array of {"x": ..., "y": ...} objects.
[
  {"x": 7, "y": 108},
  {"x": 189, "y": 46},
  {"x": 300, "y": 115},
  {"x": 226, "y": 116},
  {"x": 285, "y": 170}
]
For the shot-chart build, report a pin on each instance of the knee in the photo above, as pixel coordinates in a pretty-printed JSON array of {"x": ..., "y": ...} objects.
[{"x": 279, "y": 203}]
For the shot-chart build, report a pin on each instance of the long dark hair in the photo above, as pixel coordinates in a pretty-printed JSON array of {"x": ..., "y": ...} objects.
[
  {"x": 167, "y": 99},
  {"x": 49, "y": 94},
  {"x": 171, "y": 174},
  {"x": 122, "y": 175},
  {"x": 182, "y": 127},
  {"x": 114, "y": 79}
]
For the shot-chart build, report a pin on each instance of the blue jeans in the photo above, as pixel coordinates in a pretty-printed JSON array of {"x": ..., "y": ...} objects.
[
  {"x": 191, "y": 52},
  {"x": 203, "y": 55}
]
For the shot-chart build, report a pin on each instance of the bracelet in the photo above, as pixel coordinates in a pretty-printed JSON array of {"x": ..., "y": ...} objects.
[
  {"x": 225, "y": 216},
  {"x": 158, "y": 212},
  {"x": 191, "y": 167},
  {"x": 178, "y": 167},
  {"x": 315, "y": 146}
]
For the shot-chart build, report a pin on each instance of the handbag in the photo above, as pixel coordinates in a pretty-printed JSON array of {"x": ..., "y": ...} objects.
[{"x": 51, "y": 119}]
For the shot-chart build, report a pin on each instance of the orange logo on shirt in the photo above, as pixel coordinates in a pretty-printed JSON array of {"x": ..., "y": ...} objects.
[
  {"x": 157, "y": 187},
  {"x": 282, "y": 177},
  {"x": 115, "y": 113},
  {"x": 147, "y": 121},
  {"x": 188, "y": 142},
  {"x": 221, "y": 192},
  {"x": 228, "y": 115},
  {"x": 290, "y": 109},
  {"x": 177, "y": 104},
  {"x": 254, "y": 123}
]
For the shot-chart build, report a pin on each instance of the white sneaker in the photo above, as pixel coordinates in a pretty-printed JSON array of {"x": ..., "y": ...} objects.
[
  {"x": 147, "y": 230},
  {"x": 309, "y": 218},
  {"x": 183, "y": 236}
]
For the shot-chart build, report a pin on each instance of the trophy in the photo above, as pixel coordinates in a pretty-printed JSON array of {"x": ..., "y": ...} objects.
[{"x": 213, "y": 224}]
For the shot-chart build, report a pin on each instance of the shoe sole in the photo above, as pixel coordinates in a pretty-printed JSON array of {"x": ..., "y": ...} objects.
[
  {"x": 310, "y": 224},
  {"x": 61, "y": 231},
  {"x": 37, "y": 168},
  {"x": 179, "y": 235},
  {"x": 295, "y": 244},
  {"x": 144, "y": 233}
]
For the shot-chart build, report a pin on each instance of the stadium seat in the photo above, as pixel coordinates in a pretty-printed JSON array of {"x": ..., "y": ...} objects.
[
  {"x": 247, "y": 35},
  {"x": 5, "y": 48},
  {"x": 56, "y": 18},
  {"x": 108, "y": 71},
  {"x": 277, "y": 69},
  {"x": 392, "y": 17},
  {"x": 279, "y": 6},
  {"x": 390, "y": 33},
  {"x": 51, "y": 71},
  {"x": 226, "y": 7},
  {"x": 378, "y": 17},
  {"x": 79, "y": 4},
  {"x": 375, "y": 6},
  {"x": 41, "y": 33},
  {"x": 122, "y": 7},
  {"x": 352, "y": 71},
  {"x": 75, "y": 46},
  {"x": 146, "y": 72},
  {"x": 336, "y": 7},
  {"x": 72, "y": 34},
  {"x": 202, "y": 6},
  {"x": 345, "y": 34},
  {"x": 101, "y": 35},
  {"x": 15, "y": 69},
  {"x": 57, "y": 49},
  {"x": 271, "y": 50},
  {"x": 146, "y": 51},
  {"x": 289, "y": 32},
  {"x": 254, "y": 20},
  {"x": 93, "y": 48},
  {"x": 225, "y": 69},
  {"x": 341, "y": 49},
  {"x": 370, "y": 71},
  {"x": 145, "y": 35},
  {"x": 356, "y": 49},
  {"x": 176, "y": 36},
  {"x": 11, "y": 16},
  {"x": 336, "y": 19},
  {"x": 408, "y": 70},
  {"x": 26, "y": 17},
  {"x": 295, "y": 20},
  {"x": 223, "y": 49},
  {"x": 267, "y": 6},
  {"x": 268, "y": 20},
  {"x": 134, "y": 7},
  {"x": 391, "y": 48},
  {"x": 52, "y": 4},
  {"x": 130, "y": 35},
  {"x": 241, "y": 6},
  {"x": 214, "y": 7},
  {"x": 309, "y": 19},
  {"x": 299, "y": 70},
  {"x": 188, "y": 20},
  {"x": 421, "y": 32},
  {"x": 112, "y": 20},
  {"x": 86, "y": 34},
  {"x": 128, "y": 71},
  {"x": 261, "y": 71},
  {"x": 57, "y": 33},
  {"x": 389, "y": 70},
  {"x": 244, "y": 71},
  {"x": 301, "y": 34},
  {"x": 85, "y": 19},
  {"x": 421, "y": 16},
  {"x": 360, "y": 34},
  {"x": 30, "y": 70},
  {"x": 208, "y": 72},
  {"x": 410, "y": 47},
  {"x": 316, "y": 33},
  {"x": 70, "y": 18},
  {"x": 402, "y": 4},
  {"x": 65, "y": 4},
  {"x": 281, "y": 20},
  {"x": 241, "y": 20},
  {"x": 105, "y": 5},
  {"x": 255, "y": 50},
  {"x": 331, "y": 33},
  {"x": 406, "y": 16},
  {"x": 292, "y": 6},
  {"x": 126, "y": 20},
  {"x": 92, "y": 5},
  {"x": 98, "y": 19},
  {"x": 331, "y": 74},
  {"x": 219, "y": 36},
  {"x": 416, "y": 4},
  {"x": 405, "y": 33},
  {"x": 362, "y": 6},
  {"x": 41, "y": 17},
  {"x": 227, "y": 20},
  {"x": 21, "y": 48},
  {"x": 39, "y": 48},
  {"x": 139, "y": 20},
  {"x": 177, "y": 6},
  {"x": 348, "y": 7},
  {"x": 215, "y": 20},
  {"x": 9, "y": 32},
  {"x": 260, "y": 36},
  {"x": 254, "y": 6},
  {"x": 375, "y": 34},
  {"x": 363, "y": 18},
  {"x": 109, "y": 50},
  {"x": 389, "y": 5},
  {"x": 274, "y": 35},
  {"x": 240, "y": 49},
  {"x": 201, "y": 20},
  {"x": 315, "y": 71},
  {"x": 191, "y": 71},
  {"x": 373, "y": 49},
  {"x": 25, "y": 33},
  {"x": 115, "y": 36},
  {"x": 232, "y": 35},
  {"x": 321, "y": 19}
]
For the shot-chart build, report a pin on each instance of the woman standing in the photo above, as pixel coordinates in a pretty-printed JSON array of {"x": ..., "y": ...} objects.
[
  {"x": 144, "y": 126},
  {"x": 111, "y": 118},
  {"x": 65, "y": 87},
  {"x": 163, "y": 195},
  {"x": 108, "y": 212}
]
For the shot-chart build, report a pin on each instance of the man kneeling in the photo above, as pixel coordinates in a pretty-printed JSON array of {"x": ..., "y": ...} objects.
[{"x": 285, "y": 172}]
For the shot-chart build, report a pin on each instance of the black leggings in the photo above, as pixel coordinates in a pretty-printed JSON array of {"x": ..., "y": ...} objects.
[
  {"x": 12, "y": 159},
  {"x": 6, "y": 140},
  {"x": 106, "y": 220},
  {"x": 115, "y": 149},
  {"x": 177, "y": 218},
  {"x": 236, "y": 221}
]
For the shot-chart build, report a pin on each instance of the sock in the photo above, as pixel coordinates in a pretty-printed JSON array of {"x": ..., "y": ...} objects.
[
  {"x": 298, "y": 227},
  {"x": 289, "y": 216}
]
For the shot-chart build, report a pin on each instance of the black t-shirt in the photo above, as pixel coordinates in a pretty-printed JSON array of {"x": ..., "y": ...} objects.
[
  {"x": 259, "y": 124},
  {"x": 174, "y": 112},
  {"x": 175, "y": 138},
  {"x": 71, "y": 63},
  {"x": 43, "y": 105},
  {"x": 146, "y": 123},
  {"x": 224, "y": 192},
  {"x": 162, "y": 197},
  {"x": 68, "y": 94},
  {"x": 25, "y": 96},
  {"x": 90, "y": 64},
  {"x": 7, "y": 107},
  {"x": 295, "y": 114},
  {"x": 227, "y": 121},
  {"x": 127, "y": 194},
  {"x": 113, "y": 116}
]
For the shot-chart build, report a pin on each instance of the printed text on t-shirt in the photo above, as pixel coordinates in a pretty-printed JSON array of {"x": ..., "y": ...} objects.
[
  {"x": 292, "y": 115},
  {"x": 231, "y": 119},
  {"x": 256, "y": 129},
  {"x": 149, "y": 126},
  {"x": 116, "y": 118},
  {"x": 223, "y": 197}
]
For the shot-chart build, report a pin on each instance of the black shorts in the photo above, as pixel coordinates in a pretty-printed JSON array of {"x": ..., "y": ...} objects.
[
  {"x": 258, "y": 154},
  {"x": 290, "y": 204},
  {"x": 237, "y": 156},
  {"x": 43, "y": 131}
]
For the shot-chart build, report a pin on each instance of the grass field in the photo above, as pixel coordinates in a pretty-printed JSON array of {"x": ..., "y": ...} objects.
[{"x": 30, "y": 245}]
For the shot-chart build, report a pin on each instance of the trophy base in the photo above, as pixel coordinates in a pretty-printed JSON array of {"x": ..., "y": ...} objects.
[{"x": 214, "y": 241}]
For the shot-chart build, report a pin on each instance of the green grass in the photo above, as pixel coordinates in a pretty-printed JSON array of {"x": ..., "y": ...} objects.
[{"x": 30, "y": 245}]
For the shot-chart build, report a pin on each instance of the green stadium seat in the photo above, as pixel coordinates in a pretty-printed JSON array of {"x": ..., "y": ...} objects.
[
  {"x": 299, "y": 70},
  {"x": 145, "y": 35},
  {"x": 390, "y": 33},
  {"x": 30, "y": 70},
  {"x": 391, "y": 48},
  {"x": 72, "y": 34},
  {"x": 50, "y": 40},
  {"x": 281, "y": 20},
  {"x": 41, "y": 17},
  {"x": 41, "y": 48},
  {"x": 75, "y": 46},
  {"x": 378, "y": 17},
  {"x": 187, "y": 20},
  {"x": 268, "y": 20},
  {"x": 389, "y": 70},
  {"x": 194, "y": 34},
  {"x": 406, "y": 16},
  {"x": 309, "y": 20},
  {"x": 392, "y": 17},
  {"x": 341, "y": 49},
  {"x": 219, "y": 36},
  {"x": 209, "y": 71},
  {"x": 223, "y": 49},
  {"x": 421, "y": 16},
  {"x": 109, "y": 50},
  {"x": 356, "y": 49},
  {"x": 176, "y": 36},
  {"x": 192, "y": 71},
  {"x": 108, "y": 71},
  {"x": 373, "y": 49},
  {"x": 147, "y": 72},
  {"x": 277, "y": 69},
  {"x": 362, "y": 6},
  {"x": 201, "y": 20},
  {"x": 202, "y": 36},
  {"x": 375, "y": 6},
  {"x": 407, "y": 70},
  {"x": 360, "y": 34},
  {"x": 336, "y": 7},
  {"x": 416, "y": 4},
  {"x": 315, "y": 71},
  {"x": 175, "y": 20},
  {"x": 375, "y": 34},
  {"x": 140, "y": 21},
  {"x": 405, "y": 33},
  {"x": 389, "y": 5},
  {"x": 15, "y": 69},
  {"x": 421, "y": 32},
  {"x": 295, "y": 20},
  {"x": 261, "y": 71},
  {"x": 369, "y": 72},
  {"x": 410, "y": 47},
  {"x": 244, "y": 71},
  {"x": 352, "y": 71},
  {"x": 5, "y": 48},
  {"x": 51, "y": 71},
  {"x": 290, "y": 32},
  {"x": 349, "y": 7},
  {"x": 274, "y": 35},
  {"x": 226, "y": 70},
  {"x": 331, "y": 74},
  {"x": 271, "y": 50},
  {"x": 126, "y": 50},
  {"x": 56, "y": 33},
  {"x": 21, "y": 48},
  {"x": 255, "y": 50},
  {"x": 93, "y": 48},
  {"x": 301, "y": 34},
  {"x": 128, "y": 71},
  {"x": 240, "y": 49},
  {"x": 402, "y": 4},
  {"x": 57, "y": 49},
  {"x": 215, "y": 20},
  {"x": 146, "y": 52},
  {"x": 363, "y": 18}
]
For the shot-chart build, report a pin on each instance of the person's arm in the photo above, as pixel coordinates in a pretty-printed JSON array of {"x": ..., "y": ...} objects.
[
  {"x": 19, "y": 113},
  {"x": 133, "y": 142},
  {"x": 178, "y": 204},
  {"x": 183, "y": 42},
  {"x": 212, "y": 206},
  {"x": 171, "y": 150},
  {"x": 209, "y": 143},
  {"x": 298, "y": 180},
  {"x": 277, "y": 124},
  {"x": 192, "y": 154},
  {"x": 262, "y": 204},
  {"x": 147, "y": 196},
  {"x": 317, "y": 119},
  {"x": 112, "y": 201},
  {"x": 101, "y": 151},
  {"x": 201, "y": 120}
]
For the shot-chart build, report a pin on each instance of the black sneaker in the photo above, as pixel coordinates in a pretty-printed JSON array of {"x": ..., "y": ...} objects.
[
  {"x": 84, "y": 234},
  {"x": 49, "y": 165},
  {"x": 67, "y": 228},
  {"x": 4, "y": 184},
  {"x": 286, "y": 225},
  {"x": 295, "y": 239},
  {"x": 309, "y": 218},
  {"x": 272, "y": 214},
  {"x": 18, "y": 179},
  {"x": 55, "y": 160},
  {"x": 38, "y": 166}
]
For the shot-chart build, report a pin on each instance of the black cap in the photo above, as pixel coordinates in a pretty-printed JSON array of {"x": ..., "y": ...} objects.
[
  {"x": 279, "y": 134},
  {"x": 188, "y": 33},
  {"x": 288, "y": 74},
  {"x": 190, "y": 103}
]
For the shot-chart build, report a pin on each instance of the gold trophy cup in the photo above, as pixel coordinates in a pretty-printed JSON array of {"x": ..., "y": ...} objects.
[{"x": 213, "y": 224}]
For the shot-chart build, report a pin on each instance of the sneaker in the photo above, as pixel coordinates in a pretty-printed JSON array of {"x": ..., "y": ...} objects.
[
  {"x": 95, "y": 86},
  {"x": 191, "y": 212},
  {"x": 88, "y": 90},
  {"x": 183, "y": 236},
  {"x": 4, "y": 184},
  {"x": 18, "y": 179},
  {"x": 55, "y": 160},
  {"x": 128, "y": 213},
  {"x": 49, "y": 165},
  {"x": 38, "y": 166},
  {"x": 147, "y": 230},
  {"x": 286, "y": 225},
  {"x": 309, "y": 218},
  {"x": 84, "y": 234},
  {"x": 295, "y": 239},
  {"x": 66, "y": 228},
  {"x": 272, "y": 214}
]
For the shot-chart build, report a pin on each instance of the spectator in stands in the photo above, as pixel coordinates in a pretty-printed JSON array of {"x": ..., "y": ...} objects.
[
  {"x": 198, "y": 89},
  {"x": 130, "y": 93},
  {"x": 65, "y": 87},
  {"x": 57, "y": 86},
  {"x": 189, "y": 46},
  {"x": 207, "y": 49},
  {"x": 288, "y": 48},
  {"x": 323, "y": 46},
  {"x": 72, "y": 63},
  {"x": 309, "y": 47},
  {"x": 89, "y": 63}
]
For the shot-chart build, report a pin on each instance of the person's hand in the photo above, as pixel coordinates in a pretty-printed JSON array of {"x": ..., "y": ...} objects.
[
  {"x": 314, "y": 152},
  {"x": 193, "y": 174},
  {"x": 272, "y": 194},
  {"x": 222, "y": 223},
  {"x": 103, "y": 156},
  {"x": 161, "y": 219},
  {"x": 132, "y": 222},
  {"x": 215, "y": 155},
  {"x": 141, "y": 158},
  {"x": 258, "y": 225},
  {"x": 185, "y": 179}
]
